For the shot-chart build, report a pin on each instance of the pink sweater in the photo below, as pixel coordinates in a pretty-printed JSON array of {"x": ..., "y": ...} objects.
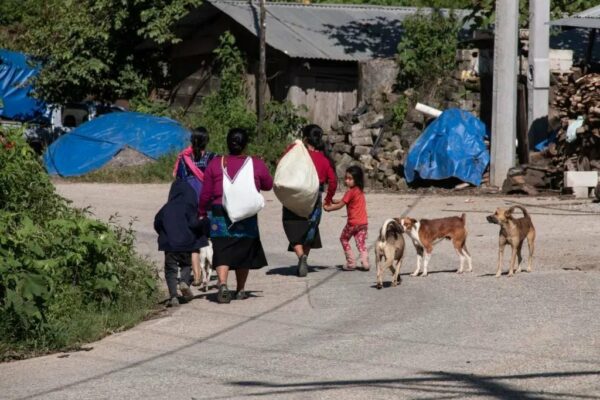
[{"x": 212, "y": 191}]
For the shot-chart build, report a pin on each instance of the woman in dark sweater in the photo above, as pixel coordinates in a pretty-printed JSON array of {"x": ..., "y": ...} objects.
[{"x": 236, "y": 246}]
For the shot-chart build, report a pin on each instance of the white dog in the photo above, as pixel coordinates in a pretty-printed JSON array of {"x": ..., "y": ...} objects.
[{"x": 206, "y": 267}]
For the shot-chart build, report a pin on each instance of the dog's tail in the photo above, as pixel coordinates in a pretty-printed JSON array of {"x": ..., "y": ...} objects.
[
  {"x": 525, "y": 213},
  {"x": 463, "y": 217}
]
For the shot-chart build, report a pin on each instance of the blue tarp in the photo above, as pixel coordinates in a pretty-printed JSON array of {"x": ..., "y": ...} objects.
[
  {"x": 452, "y": 146},
  {"x": 91, "y": 145},
  {"x": 15, "y": 87}
]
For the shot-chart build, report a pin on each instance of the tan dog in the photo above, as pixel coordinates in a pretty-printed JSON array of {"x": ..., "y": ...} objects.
[
  {"x": 513, "y": 231},
  {"x": 389, "y": 251},
  {"x": 427, "y": 232}
]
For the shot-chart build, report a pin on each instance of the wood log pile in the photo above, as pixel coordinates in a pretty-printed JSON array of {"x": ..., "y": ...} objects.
[
  {"x": 577, "y": 96},
  {"x": 573, "y": 95}
]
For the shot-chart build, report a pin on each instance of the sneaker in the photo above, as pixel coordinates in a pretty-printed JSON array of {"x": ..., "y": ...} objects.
[
  {"x": 241, "y": 295},
  {"x": 173, "y": 302},
  {"x": 223, "y": 296},
  {"x": 186, "y": 292},
  {"x": 302, "y": 266}
]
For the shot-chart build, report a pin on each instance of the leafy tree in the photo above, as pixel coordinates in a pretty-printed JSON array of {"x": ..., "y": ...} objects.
[
  {"x": 92, "y": 47},
  {"x": 427, "y": 49}
]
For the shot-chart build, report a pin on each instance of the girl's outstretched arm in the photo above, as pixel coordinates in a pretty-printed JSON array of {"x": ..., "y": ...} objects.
[{"x": 335, "y": 205}]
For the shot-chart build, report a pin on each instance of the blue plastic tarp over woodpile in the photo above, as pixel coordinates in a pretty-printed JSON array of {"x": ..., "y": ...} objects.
[
  {"x": 15, "y": 87},
  {"x": 93, "y": 144},
  {"x": 452, "y": 146}
]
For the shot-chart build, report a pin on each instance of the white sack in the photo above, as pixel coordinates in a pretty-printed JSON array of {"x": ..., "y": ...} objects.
[
  {"x": 296, "y": 182},
  {"x": 241, "y": 199}
]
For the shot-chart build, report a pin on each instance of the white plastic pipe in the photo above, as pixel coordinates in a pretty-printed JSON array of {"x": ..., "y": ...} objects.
[{"x": 425, "y": 109}]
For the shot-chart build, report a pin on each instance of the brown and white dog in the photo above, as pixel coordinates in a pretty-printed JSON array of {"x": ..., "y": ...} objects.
[
  {"x": 513, "y": 231},
  {"x": 427, "y": 232},
  {"x": 389, "y": 250}
]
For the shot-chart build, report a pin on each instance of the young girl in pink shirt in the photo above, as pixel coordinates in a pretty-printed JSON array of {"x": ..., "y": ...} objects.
[{"x": 357, "y": 224}]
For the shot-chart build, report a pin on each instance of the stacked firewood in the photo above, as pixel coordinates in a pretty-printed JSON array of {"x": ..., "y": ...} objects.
[{"x": 575, "y": 97}]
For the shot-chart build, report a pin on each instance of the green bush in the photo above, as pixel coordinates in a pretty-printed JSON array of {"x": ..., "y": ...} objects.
[
  {"x": 64, "y": 278},
  {"x": 427, "y": 49}
]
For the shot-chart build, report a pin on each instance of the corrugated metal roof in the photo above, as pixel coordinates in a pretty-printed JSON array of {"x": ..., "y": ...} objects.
[
  {"x": 589, "y": 18},
  {"x": 332, "y": 32}
]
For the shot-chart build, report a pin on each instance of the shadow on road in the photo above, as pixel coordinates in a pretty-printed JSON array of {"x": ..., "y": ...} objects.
[
  {"x": 439, "y": 384},
  {"x": 291, "y": 270}
]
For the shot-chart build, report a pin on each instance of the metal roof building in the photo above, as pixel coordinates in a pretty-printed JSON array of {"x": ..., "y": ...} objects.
[
  {"x": 332, "y": 32},
  {"x": 315, "y": 53},
  {"x": 589, "y": 18}
]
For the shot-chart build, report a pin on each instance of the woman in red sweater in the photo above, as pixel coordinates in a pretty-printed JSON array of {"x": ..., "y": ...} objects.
[{"x": 303, "y": 233}]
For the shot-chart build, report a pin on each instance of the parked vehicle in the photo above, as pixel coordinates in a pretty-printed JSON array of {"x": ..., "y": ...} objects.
[{"x": 42, "y": 122}]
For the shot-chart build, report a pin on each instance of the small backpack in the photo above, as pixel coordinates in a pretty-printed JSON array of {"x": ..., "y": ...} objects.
[{"x": 241, "y": 199}]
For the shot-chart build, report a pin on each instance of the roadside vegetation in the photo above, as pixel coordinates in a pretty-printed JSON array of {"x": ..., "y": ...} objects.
[
  {"x": 65, "y": 278},
  {"x": 225, "y": 108}
]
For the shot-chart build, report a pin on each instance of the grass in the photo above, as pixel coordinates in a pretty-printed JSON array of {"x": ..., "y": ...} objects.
[
  {"x": 160, "y": 171},
  {"x": 79, "y": 324}
]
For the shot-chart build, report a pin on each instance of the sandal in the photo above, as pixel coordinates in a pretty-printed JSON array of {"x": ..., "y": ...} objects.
[
  {"x": 241, "y": 295},
  {"x": 223, "y": 296},
  {"x": 363, "y": 269},
  {"x": 347, "y": 268}
]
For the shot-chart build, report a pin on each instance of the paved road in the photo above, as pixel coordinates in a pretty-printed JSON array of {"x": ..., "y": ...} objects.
[{"x": 333, "y": 336}]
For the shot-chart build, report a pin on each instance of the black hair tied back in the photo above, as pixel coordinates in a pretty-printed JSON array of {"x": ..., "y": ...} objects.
[
  {"x": 313, "y": 134},
  {"x": 237, "y": 140},
  {"x": 199, "y": 141}
]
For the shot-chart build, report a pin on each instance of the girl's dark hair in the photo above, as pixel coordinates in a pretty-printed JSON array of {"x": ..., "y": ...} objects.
[
  {"x": 199, "y": 141},
  {"x": 313, "y": 134},
  {"x": 237, "y": 140},
  {"x": 358, "y": 176}
]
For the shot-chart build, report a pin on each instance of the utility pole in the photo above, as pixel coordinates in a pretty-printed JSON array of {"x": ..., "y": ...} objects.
[
  {"x": 538, "y": 76},
  {"x": 262, "y": 70},
  {"x": 504, "y": 108}
]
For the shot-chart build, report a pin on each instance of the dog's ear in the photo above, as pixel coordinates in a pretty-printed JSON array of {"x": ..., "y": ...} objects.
[{"x": 413, "y": 222}]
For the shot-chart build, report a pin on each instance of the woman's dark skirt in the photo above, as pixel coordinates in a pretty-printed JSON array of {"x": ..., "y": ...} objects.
[
  {"x": 298, "y": 229},
  {"x": 235, "y": 245}
]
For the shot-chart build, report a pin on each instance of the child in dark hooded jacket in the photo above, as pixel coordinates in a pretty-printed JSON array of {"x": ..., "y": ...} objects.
[{"x": 180, "y": 232}]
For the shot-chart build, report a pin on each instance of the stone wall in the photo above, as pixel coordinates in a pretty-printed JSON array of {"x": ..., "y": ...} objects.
[{"x": 366, "y": 137}]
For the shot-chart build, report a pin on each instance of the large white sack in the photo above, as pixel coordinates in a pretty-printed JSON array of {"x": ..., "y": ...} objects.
[
  {"x": 296, "y": 182},
  {"x": 241, "y": 199}
]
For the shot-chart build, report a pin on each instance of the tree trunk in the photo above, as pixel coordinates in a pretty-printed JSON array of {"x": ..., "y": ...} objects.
[{"x": 262, "y": 70}]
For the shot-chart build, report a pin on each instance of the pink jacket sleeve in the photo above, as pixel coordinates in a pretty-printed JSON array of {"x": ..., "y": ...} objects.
[{"x": 208, "y": 188}]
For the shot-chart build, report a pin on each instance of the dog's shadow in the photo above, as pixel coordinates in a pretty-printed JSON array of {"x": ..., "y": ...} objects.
[
  {"x": 504, "y": 273},
  {"x": 387, "y": 284},
  {"x": 292, "y": 270}
]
